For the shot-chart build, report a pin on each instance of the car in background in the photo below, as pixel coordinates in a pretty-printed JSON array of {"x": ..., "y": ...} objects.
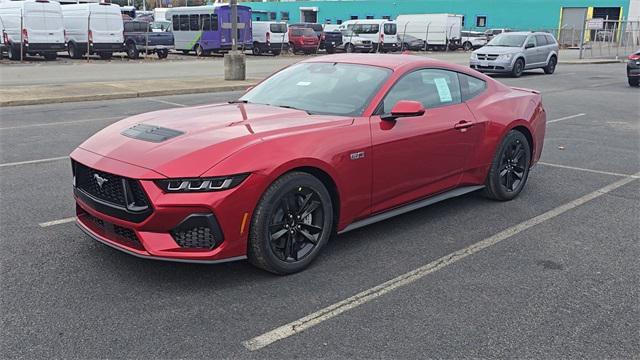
[
  {"x": 515, "y": 52},
  {"x": 491, "y": 33},
  {"x": 321, "y": 147},
  {"x": 633, "y": 69},
  {"x": 139, "y": 38},
  {"x": 303, "y": 39},
  {"x": 269, "y": 36},
  {"x": 3, "y": 40},
  {"x": 410, "y": 42},
  {"x": 383, "y": 33},
  {"x": 472, "y": 40},
  {"x": 96, "y": 28},
  {"x": 32, "y": 28},
  {"x": 352, "y": 42},
  {"x": 318, "y": 29}
]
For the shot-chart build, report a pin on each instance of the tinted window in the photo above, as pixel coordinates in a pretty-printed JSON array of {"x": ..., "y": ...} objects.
[
  {"x": 541, "y": 40},
  {"x": 278, "y": 28},
  {"x": 205, "y": 21},
  {"x": 214, "y": 22},
  {"x": 471, "y": 86},
  {"x": 296, "y": 32},
  {"x": 194, "y": 22},
  {"x": 390, "y": 29},
  {"x": 184, "y": 22},
  {"x": 176, "y": 22},
  {"x": 431, "y": 87},
  {"x": 550, "y": 39},
  {"x": 508, "y": 40},
  {"x": 366, "y": 28},
  {"x": 128, "y": 27}
]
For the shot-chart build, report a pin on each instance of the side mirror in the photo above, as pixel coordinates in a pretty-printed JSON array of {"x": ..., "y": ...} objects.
[
  {"x": 529, "y": 46},
  {"x": 404, "y": 108}
]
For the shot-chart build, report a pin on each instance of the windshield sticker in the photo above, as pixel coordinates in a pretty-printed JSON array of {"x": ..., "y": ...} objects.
[
  {"x": 443, "y": 90},
  {"x": 303, "y": 83}
]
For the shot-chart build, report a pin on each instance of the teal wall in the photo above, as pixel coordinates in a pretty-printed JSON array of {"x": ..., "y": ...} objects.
[{"x": 516, "y": 14}]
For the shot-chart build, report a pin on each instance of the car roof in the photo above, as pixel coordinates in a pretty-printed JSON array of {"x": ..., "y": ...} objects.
[{"x": 391, "y": 61}]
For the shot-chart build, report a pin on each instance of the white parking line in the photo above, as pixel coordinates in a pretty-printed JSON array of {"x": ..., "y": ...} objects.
[
  {"x": 57, "y": 222},
  {"x": 166, "y": 102},
  {"x": 587, "y": 170},
  {"x": 62, "y": 123},
  {"x": 338, "y": 308},
  {"x": 33, "y": 161},
  {"x": 566, "y": 118}
]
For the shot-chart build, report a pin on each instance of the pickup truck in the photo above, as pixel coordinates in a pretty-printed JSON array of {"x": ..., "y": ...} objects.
[
  {"x": 332, "y": 41},
  {"x": 139, "y": 37}
]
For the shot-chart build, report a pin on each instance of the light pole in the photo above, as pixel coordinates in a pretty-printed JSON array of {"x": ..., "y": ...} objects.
[{"x": 234, "y": 61}]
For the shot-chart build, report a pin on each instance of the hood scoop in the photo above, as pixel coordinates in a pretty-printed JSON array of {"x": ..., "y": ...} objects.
[{"x": 150, "y": 133}]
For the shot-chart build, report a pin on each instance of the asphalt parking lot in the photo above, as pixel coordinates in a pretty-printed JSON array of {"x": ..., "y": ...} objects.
[{"x": 552, "y": 274}]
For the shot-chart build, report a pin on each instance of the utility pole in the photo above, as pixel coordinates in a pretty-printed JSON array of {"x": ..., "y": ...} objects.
[{"x": 234, "y": 61}]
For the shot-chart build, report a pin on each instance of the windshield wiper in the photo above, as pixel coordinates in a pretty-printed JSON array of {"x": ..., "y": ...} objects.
[{"x": 293, "y": 108}]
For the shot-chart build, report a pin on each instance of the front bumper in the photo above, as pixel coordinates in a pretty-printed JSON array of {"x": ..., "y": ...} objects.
[
  {"x": 158, "y": 235},
  {"x": 154, "y": 47},
  {"x": 491, "y": 66},
  {"x": 106, "y": 47}
]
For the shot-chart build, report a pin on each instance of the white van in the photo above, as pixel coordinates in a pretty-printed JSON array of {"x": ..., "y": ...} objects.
[
  {"x": 382, "y": 33},
  {"x": 41, "y": 32},
  {"x": 98, "y": 24},
  {"x": 438, "y": 30},
  {"x": 270, "y": 36}
]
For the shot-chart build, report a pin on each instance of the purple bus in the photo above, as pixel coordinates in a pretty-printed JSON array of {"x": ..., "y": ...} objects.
[{"x": 206, "y": 29}]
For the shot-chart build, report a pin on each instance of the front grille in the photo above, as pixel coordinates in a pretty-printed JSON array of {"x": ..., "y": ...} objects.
[
  {"x": 123, "y": 235},
  {"x": 487, "y": 56},
  {"x": 194, "y": 238},
  {"x": 366, "y": 42},
  {"x": 111, "y": 190}
]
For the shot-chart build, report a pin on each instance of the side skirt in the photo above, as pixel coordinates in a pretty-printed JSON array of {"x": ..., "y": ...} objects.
[{"x": 410, "y": 207}]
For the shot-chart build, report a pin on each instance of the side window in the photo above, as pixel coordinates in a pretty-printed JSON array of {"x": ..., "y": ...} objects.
[
  {"x": 541, "y": 40},
  {"x": 390, "y": 29},
  {"x": 128, "y": 27},
  {"x": 531, "y": 41},
  {"x": 471, "y": 86},
  {"x": 205, "y": 20},
  {"x": 432, "y": 87},
  {"x": 184, "y": 22},
  {"x": 214, "y": 22},
  {"x": 194, "y": 22},
  {"x": 176, "y": 22},
  {"x": 550, "y": 40}
]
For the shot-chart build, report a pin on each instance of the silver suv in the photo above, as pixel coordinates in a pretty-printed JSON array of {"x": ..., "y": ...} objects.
[{"x": 515, "y": 52}]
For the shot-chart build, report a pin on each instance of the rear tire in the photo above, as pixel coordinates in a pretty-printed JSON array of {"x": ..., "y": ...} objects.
[
  {"x": 105, "y": 55},
  {"x": 74, "y": 52},
  {"x": 162, "y": 53},
  {"x": 467, "y": 46},
  {"x": 291, "y": 224},
  {"x": 132, "y": 51},
  {"x": 634, "y": 81},
  {"x": 551, "y": 66},
  {"x": 199, "y": 50},
  {"x": 349, "y": 48},
  {"x": 510, "y": 168},
  {"x": 518, "y": 68},
  {"x": 13, "y": 52},
  {"x": 256, "y": 49}
]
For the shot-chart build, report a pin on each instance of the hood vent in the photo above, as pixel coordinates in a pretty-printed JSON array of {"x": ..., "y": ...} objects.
[{"x": 151, "y": 133}]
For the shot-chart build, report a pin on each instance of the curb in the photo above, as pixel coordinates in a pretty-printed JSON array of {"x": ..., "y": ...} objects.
[
  {"x": 125, "y": 95},
  {"x": 589, "y": 62}
]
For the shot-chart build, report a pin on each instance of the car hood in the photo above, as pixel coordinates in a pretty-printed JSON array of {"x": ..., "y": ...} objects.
[
  {"x": 186, "y": 142},
  {"x": 498, "y": 50}
]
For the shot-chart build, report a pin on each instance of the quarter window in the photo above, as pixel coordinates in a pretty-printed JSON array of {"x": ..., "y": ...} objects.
[
  {"x": 431, "y": 87},
  {"x": 550, "y": 39},
  {"x": 471, "y": 86}
]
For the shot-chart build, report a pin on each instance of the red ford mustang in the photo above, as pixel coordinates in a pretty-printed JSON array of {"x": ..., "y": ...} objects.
[{"x": 326, "y": 145}]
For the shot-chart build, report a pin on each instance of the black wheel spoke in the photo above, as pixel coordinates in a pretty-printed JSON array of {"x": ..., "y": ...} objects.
[
  {"x": 312, "y": 229},
  {"x": 308, "y": 236},
  {"x": 518, "y": 175},
  {"x": 278, "y": 234},
  {"x": 509, "y": 181},
  {"x": 310, "y": 208}
]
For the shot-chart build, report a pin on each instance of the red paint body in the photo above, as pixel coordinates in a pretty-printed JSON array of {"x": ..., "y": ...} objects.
[{"x": 405, "y": 160}]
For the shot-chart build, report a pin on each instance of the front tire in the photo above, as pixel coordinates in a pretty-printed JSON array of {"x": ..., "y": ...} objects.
[
  {"x": 634, "y": 81},
  {"x": 551, "y": 66},
  {"x": 467, "y": 46},
  {"x": 510, "y": 168},
  {"x": 132, "y": 51},
  {"x": 256, "y": 49},
  {"x": 291, "y": 224},
  {"x": 518, "y": 68},
  {"x": 162, "y": 53},
  {"x": 349, "y": 48}
]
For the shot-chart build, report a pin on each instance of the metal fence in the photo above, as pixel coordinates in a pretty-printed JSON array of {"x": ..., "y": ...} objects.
[{"x": 612, "y": 39}]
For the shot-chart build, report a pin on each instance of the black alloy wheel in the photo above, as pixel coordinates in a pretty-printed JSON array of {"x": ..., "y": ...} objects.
[
  {"x": 292, "y": 222},
  {"x": 510, "y": 167}
]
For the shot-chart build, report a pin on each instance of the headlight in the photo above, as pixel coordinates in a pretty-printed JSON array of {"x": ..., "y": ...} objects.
[
  {"x": 504, "y": 57},
  {"x": 201, "y": 184},
  {"x": 474, "y": 56}
]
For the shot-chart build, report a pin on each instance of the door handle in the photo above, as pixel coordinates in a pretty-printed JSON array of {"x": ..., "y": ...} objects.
[{"x": 463, "y": 125}]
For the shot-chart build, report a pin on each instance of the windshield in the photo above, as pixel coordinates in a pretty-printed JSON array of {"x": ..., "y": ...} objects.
[
  {"x": 278, "y": 28},
  {"x": 321, "y": 88},
  {"x": 508, "y": 40}
]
